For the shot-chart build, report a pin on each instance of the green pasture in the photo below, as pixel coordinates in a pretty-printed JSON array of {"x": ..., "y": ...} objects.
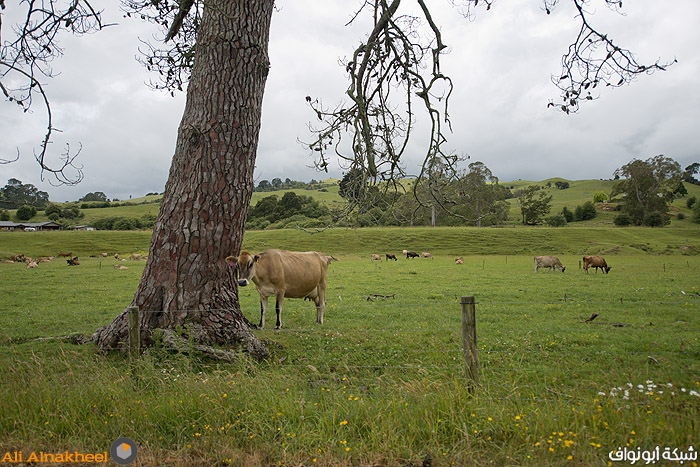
[{"x": 382, "y": 381}]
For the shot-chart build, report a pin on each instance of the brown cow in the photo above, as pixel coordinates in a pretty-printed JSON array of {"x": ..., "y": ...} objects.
[
  {"x": 68, "y": 253},
  {"x": 376, "y": 258},
  {"x": 459, "y": 260},
  {"x": 18, "y": 258},
  {"x": 284, "y": 274},
  {"x": 595, "y": 262},
  {"x": 551, "y": 262},
  {"x": 73, "y": 261}
]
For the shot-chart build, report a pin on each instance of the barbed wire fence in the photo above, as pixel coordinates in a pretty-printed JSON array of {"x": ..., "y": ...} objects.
[{"x": 447, "y": 351}]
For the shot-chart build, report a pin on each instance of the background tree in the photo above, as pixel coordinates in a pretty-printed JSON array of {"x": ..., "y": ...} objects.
[
  {"x": 535, "y": 203},
  {"x": 219, "y": 49},
  {"x": 689, "y": 173},
  {"x": 647, "y": 188},
  {"x": 16, "y": 194},
  {"x": 96, "y": 196}
]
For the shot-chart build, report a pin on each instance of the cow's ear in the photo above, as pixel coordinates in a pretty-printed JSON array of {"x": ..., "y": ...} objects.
[
  {"x": 256, "y": 258},
  {"x": 232, "y": 261}
]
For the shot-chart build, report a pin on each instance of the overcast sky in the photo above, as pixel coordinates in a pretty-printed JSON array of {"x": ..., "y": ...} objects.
[{"x": 501, "y": 63}]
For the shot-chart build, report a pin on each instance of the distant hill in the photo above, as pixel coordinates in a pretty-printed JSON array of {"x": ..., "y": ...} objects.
[{"x": 578, "y": 192}]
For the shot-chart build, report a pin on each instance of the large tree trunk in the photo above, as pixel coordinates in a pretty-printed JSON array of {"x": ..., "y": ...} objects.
[{"x": 186, "y": 281}]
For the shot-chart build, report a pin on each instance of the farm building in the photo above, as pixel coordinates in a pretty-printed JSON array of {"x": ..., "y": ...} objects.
[{"x": 28, "y": 226}]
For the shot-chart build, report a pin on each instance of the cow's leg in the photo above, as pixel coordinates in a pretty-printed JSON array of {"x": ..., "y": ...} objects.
[
  {"x": 320, "y": 302},
  {"x": 263, "y": 309},
  {"x": 278, "y": 309}
]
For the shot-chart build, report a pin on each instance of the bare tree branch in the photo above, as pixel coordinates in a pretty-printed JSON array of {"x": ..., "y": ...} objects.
[{"x": 28, "y": 57}]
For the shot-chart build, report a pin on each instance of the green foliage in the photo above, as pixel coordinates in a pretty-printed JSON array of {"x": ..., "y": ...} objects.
[
  {"x": 656, "y": 219},
  {"x": 16, "y": 194},
  {"x": 534, "y": 204},
  {"x": 696, "y": 212},
  {"x": 270, "y": 211},
  {"x": 562, "y": 185},
  {"x": 622, "y": 220},
  {"x": 4, "y": 215},
  {"x": 124, "y": 223},
  {"x": 96, "y": 196},
  {"x": 585, "y": 212},
  {"x": 648, "y": 187},
  {"x": 600, "y": 197},
  {"x": 568, "y": 215},
  {"x": 558, "y": 220},
  {"x": 691, "y": 201},
  {"x": 25, "y": 213}
]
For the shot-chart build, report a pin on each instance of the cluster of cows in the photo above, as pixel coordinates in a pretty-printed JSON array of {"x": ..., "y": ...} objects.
[
  {"x": 291, "y": 274},
  {"x": 71, "y": 260},
  {"x": 409, "y": 254},
  {"x": 552, "y": 263}
]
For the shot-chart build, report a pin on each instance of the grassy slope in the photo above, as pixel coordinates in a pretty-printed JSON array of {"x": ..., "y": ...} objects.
[{"x": 455, "y": 241}]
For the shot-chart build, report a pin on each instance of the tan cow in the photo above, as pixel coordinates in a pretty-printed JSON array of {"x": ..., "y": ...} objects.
[
  {"x": 459, "y": 260},
  {"x": 595, "y": 262},
  {"x": 425, "y": 254},
  {"x": 550, "y": 262},
  {"x": 376, "y": 258},
  {"x": 284, "y": 274}
]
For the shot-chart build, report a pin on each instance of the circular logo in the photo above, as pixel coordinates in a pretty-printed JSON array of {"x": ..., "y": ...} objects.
[{"x": 123, "y": 451}]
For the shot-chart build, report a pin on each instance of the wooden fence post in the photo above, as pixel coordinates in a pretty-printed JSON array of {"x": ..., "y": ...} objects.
[
  {"x": 134, "y": 335},
  {"x": 469, "y": 340}
]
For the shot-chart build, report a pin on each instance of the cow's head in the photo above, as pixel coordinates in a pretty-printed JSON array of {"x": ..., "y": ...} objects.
[
  {"x": 244, "y": 265},
  {"x": 607, "y": 269}
]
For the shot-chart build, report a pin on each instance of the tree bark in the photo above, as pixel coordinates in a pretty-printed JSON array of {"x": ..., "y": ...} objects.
[{"x": 186, "y": 281}]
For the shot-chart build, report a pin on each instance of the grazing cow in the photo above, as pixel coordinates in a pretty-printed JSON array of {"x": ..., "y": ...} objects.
[
  {"x": 376, "y": 258},
  {"x": 69, "y": 253},
  {"x": 459, "y": 260},
  {"x": 551, "y": 262},
  {"x": 404, "y": 252},
  {"x": 411, "y": 254},
  {"x": 284, "y": 274},
  {"x": 425, "y": 254},
  {"x": 73, "y": 261},
  {"x": 595, "y": 262},
  {"x": 390, "y": 256}
]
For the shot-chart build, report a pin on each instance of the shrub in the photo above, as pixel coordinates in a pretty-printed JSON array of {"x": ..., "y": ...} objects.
[
  {"x": 557, "y": 220},
  {"x": 691, "y": 201},
  {"x": 568, "y": 215},
  {"x": 622, "y": 220},
  {"x": 599, "y": 197},
  {"x": 696, "y": 212},
  {"x": 680, "y": 216},
  {"x": 655, "y": 219},
  {"x": 25, "y": 212},
  {"x": 585, "y": 212},
  {"x": 4, "y": 215}
]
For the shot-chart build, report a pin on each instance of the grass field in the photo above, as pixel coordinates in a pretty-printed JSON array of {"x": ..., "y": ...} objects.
[{"x": 381, "y": 382}]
